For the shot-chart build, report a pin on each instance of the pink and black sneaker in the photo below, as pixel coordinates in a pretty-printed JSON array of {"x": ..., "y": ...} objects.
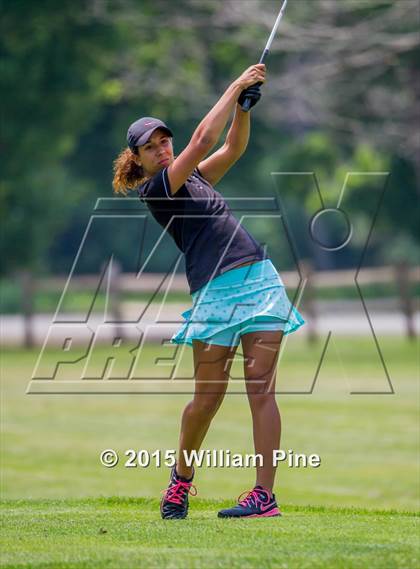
[
  {"x": 174, "y": 504},
  {"x": 258, "y": 503}
]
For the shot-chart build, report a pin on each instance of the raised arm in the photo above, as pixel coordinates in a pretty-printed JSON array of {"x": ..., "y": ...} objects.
[
  {"x": 210, "y": 128},
  {"x": 215, "y": 166},
  {"x": 238, "y": 135}
]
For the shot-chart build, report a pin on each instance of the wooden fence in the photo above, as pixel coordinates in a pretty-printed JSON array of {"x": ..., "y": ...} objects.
[{"x": 400, "y": 275}]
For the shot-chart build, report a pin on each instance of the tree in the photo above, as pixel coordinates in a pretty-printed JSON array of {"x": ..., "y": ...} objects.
[{"x": 56, "y": 64}]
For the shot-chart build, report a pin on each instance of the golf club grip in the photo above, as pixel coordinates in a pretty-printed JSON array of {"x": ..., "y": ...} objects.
[{"x": 246, "y": 104}]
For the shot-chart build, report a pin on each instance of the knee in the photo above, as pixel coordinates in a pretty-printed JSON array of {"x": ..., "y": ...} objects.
[
  {"x": 206, "y": 406},
  {"x": 260, "y": 394}
]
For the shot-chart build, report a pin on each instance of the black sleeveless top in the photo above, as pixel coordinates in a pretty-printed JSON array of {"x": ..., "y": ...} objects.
[{"x": 202, "y": 226}]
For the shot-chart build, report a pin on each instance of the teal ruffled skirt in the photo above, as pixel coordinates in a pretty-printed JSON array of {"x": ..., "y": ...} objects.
[{"x": 242, "y": 300}]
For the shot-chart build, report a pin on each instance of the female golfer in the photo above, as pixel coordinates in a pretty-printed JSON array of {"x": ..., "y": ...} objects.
[{"x": 238, "y": 296}]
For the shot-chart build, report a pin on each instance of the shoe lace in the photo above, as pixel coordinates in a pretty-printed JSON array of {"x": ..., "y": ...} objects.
[
  {"x": 176, "y": 492},
  {"x": 252, "y": 498}
]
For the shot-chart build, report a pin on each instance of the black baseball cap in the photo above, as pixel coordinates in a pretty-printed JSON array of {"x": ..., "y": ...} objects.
[{"x": 140, "y": 131}]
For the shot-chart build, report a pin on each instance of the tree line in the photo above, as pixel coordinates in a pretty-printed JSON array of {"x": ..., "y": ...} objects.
[{"x": 340, "y": 96}]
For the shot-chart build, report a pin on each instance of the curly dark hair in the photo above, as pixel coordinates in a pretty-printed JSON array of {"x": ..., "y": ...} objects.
[{"x": 127, "y": 173}]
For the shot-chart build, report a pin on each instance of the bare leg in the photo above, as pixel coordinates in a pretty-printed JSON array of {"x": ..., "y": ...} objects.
[
  {"x": 212, "y": 365},
  {"x": 261, "y": 350}
]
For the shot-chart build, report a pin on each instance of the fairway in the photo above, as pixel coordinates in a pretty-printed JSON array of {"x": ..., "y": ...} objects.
[
  {"x": 242, "y": 173},
  {"x": 358, "y": 509},
  {"x": 127, "y": 533}
]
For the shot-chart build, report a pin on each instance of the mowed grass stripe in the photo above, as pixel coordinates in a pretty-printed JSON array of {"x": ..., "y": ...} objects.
[{"x": 127, "y": 533}]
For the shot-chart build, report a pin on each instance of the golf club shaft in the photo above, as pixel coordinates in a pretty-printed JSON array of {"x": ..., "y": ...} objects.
[
  {"x": 274, "y": 30},
  {"x": 247, "y": 102}
]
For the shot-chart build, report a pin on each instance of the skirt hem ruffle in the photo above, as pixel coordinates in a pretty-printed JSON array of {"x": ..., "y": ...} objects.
[
  {"x": 242, "y": 296},
  {"x": 290, "y": 326}
]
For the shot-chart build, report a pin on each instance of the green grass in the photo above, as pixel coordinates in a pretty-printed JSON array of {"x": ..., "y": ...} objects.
[
  {"x": 55, "y": 490},
  {"x": 128, "y": 532}
]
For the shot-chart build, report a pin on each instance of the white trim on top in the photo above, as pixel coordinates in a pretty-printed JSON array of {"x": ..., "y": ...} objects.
[{"x": 168, "y": 193}]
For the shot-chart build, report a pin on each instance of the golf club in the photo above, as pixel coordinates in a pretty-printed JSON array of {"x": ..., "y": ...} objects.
[{"x": 247, "y": 102}]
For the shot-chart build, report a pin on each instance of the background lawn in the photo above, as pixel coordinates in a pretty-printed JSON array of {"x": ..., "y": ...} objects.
[
  {"x": 126, "y": 533},
  {"x": 367, "y": 443}
]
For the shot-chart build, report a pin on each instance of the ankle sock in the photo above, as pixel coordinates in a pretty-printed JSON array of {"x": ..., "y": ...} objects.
[
  {"x": 270, "y": 493},
  {"x": 182, "y": 478}
]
